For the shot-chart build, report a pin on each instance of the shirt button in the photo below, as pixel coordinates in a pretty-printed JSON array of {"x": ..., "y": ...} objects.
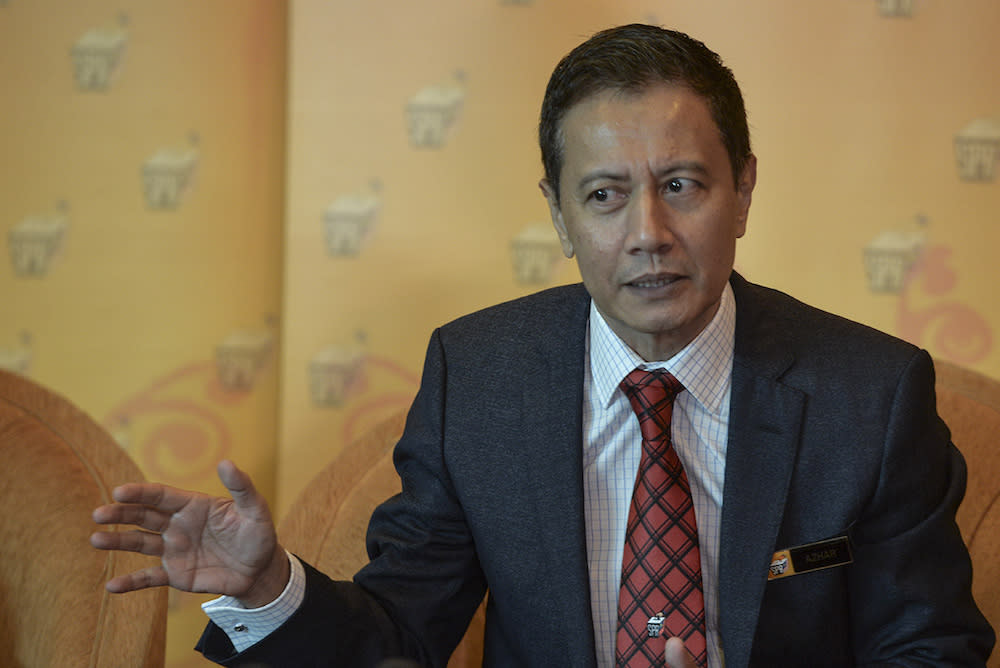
[{"x": 240, "y": 628}]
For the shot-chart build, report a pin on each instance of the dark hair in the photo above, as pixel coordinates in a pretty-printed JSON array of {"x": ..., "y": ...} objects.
[{"x": 631, "y": 58}]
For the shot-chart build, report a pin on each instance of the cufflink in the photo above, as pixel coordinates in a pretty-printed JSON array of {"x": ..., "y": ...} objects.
[
  {"x": 240, "y": 628},
  {"x": 655, "y": 625}
]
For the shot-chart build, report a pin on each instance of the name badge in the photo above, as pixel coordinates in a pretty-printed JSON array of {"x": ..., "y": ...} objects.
[{"x": 810, "y": 557}]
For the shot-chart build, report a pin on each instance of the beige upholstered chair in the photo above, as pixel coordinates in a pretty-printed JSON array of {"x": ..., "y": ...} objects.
[
  {"x": 970, "y": 403},
  {"x": 56, "y": 466},
  {"x": 327, "y": 523}
]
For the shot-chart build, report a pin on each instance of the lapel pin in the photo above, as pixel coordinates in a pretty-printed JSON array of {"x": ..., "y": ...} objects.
[{"x": 655, "y": 625}]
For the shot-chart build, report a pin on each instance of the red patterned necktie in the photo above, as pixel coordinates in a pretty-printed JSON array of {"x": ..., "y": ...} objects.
[{"x": 661, "y": 592}]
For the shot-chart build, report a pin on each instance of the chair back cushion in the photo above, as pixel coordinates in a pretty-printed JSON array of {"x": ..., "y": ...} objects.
[
  {"x": 57, "y": 466},
  {"x": 969, "y": 403}
]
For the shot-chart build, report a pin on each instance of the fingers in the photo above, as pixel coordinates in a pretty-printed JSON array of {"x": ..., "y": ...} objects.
[
  {"x": 148, "y": 577},
  {"x": 129, "y": 541},
  {"x": 133, "y": 541},
  {"x": 241, "y": 488},
  {"x": 162, "y": 497},
  {"x": 168, "y": 500},
  {"x": 145, "y": 517},
  {"x": 676, "y": 654}
]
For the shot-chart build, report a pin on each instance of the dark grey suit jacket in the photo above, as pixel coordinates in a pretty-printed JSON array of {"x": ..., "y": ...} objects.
[{"x": 833, "y": 432}]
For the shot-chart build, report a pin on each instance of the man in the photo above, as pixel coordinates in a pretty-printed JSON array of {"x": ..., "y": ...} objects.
[{"x": 819, "y": 484}]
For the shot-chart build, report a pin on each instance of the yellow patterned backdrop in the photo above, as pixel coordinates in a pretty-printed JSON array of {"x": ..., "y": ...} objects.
[
  {"x": 142, "y": 175},
  {"x": 206, "y": 202}
]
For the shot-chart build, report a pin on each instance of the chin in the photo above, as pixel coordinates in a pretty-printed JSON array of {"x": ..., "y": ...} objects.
[{"x": 661, "y": 320}]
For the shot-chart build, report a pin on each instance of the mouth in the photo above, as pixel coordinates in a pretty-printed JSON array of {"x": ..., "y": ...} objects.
[{"x": 653, "y": 281}]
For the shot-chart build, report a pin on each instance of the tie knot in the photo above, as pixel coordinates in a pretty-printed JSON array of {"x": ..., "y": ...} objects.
[
  {"x": 654, "y": 386},
  {"x": 651, "y": 394}
]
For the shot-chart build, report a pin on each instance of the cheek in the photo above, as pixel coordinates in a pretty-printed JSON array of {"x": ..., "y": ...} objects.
[
  {"x": 714, "y": 253},
  {"x": 597, "y": 271},
  {"x": 595, "y": 260},
  {"x": 598, "y": 242}
]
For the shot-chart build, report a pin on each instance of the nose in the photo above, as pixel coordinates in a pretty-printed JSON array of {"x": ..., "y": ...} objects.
[{"x": 649, "y": 226}]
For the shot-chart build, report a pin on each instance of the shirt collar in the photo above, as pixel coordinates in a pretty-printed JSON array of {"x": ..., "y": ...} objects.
[{"x": 704, "y": 366}]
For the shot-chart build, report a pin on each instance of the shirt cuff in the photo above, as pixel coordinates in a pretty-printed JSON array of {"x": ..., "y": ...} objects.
[{"x": 247, "y": 626}]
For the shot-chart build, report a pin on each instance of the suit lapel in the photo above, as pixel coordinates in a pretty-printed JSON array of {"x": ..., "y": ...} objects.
[
  {"x": 553, "y": 462},
  {"x": 764, "y": 427}
]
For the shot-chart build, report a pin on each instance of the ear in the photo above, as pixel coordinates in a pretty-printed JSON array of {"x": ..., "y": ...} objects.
[
  {"x": 744, "y": 194},
  {"x": 557, "y": 218}
]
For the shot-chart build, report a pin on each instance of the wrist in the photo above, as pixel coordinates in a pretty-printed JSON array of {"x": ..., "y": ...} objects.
[{"x": 270, "y": 583}]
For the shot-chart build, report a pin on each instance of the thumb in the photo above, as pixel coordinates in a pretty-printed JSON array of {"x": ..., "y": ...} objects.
[
  {"x": 676, "y": 655},
  {"x": 240, "y": 487}
]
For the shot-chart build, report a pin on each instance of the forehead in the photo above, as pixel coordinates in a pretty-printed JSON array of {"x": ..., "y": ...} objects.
[{"x": 656, "y": 123}]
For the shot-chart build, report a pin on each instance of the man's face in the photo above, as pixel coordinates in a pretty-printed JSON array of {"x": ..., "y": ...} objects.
[{"x": 649, "y": 208}]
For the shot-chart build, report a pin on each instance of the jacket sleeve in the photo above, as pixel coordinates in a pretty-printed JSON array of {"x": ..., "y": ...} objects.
[
  {"x": 910, "y": 584},
  {"x": 423, "y": 584}
]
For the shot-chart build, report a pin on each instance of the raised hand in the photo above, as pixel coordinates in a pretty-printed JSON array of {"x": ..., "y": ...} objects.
[{"x": 206, "y": 544}]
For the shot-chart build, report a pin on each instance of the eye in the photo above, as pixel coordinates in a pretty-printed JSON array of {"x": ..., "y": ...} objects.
[
  {"x": 607, "y": 198},
  {"x": 682, "y": 186}
]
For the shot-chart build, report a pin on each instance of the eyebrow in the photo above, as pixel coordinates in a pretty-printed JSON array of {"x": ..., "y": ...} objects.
[
  {"x": 600, "y": 175},
  {"x": 687, "y": 166}
]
